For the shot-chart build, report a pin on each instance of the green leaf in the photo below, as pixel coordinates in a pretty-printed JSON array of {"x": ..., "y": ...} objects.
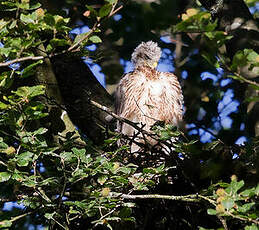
[
  {"x": 198, "y": 22},
  {"x": 67, "y": 156},
  {"x": 5, "y": 51},
  {"x": 29, "y": 181},
  {"x": 79, "y": 152},
  {"x": 210, "y": 58},
  {"x": 13, "y": 24},
  {"x": 5, "y": 224},
  {"x": 49, "y": 19},
  {"x": 92, "y": 10},
  {"x": 105, "y": 10},
  {"x": 79, "y": 37},
  {"x": 29, "y": 70},
  {"x": 212, "y": 211},
  {"x": 3, "y": 145},
  {"x": 49, "y": 216},
  {"x": 35, "y": 6},
  {"x": 243, "y": 58},
  {"x": 49, "y": 181},
  {"x": 257, "y": 190},
  {"x": 3, "y": 23},
  {"x": 24, "y": 159},
  {"x": 9, "y": 6},
  {"x": 212, "y": 144},
  {"x": 125, "y": 212},
  {"x": 30, "y": 18},
  {"x": 18, "y": 177},
  {"x": 149, "y": 170},
  {"x": 251, "y": 55},
  {"x": 234, "y": 187},
  {"x": 102, "y": 179},
  {"x": 111, "y": 1},
  {"x": 251, "y": 227},
  {"x": 244, "y": 208},
  {"x": 30, "y": 92},
  {"x": 4, "y": 176},
  {"x": 95, "y": 39},
  {"x": 228, "y": 203},
  {"x": 248, "y": 192},
  {"x": 40, "y": 131},
  {"x": 250, "y": 99},
  {"x": 55, "y": 42},
  {"x": 3, "y": 106},
  {"x": 23, "y": 5}
]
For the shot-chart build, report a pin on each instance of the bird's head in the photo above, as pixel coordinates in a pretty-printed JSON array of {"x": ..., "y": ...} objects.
[{"x": 146, "y": 54}]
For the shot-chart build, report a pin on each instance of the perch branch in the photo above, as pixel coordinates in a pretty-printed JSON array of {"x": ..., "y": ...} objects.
[
  {"x": 187, "y": 198},
  {"x": 110, "y": 112}
]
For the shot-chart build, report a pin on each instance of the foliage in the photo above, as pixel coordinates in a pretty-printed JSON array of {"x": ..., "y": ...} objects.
[
  {"x": 66, "y": 184},
  {"x": 231, "y": 202}
]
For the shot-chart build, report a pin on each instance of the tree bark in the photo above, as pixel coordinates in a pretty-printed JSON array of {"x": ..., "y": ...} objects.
[
  {"x": 61, "y": 124},
  {"x": 78, "y": 86}
]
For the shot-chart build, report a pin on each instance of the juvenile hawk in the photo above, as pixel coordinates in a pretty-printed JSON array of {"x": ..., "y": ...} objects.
[{"x": 146, "y": 95}]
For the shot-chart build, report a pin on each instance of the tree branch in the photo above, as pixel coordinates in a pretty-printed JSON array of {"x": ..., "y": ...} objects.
[
  {"x": 33, "y": 58},
  {"x": 121, "y": 119},
  {"x": 70, "y": 49},
  {"x": 20, "y": 216},
  {"x": 187, "y": 198}
]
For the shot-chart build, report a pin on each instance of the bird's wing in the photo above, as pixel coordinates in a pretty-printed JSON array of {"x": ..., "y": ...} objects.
[
  {"x": 124, "y": 95},
  {"x": 120, "y": 95},
  {"x": 125, "y": 105},
  {"x": 173, "y": 99}
]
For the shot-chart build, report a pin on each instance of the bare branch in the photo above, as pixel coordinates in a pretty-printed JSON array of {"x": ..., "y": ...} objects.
[
  {"x": 21, "y": 216},
  {"x": 21, "y": 60},
  {"x": 70, "y": 49},
  {"x": 95, "y": 26},
  {"x": 122, "y": 119},
  {"x": 187, "y": 198},
  {"x": 115, "y": 11},
  {"x": 77, "y": 44}
]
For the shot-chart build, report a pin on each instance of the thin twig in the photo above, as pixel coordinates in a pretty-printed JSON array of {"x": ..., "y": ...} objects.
[
  {"x": 4, "y": 164},
  {"x": 115, "y": 11},
  {"x": 70, "y": 49},
  {"x": 121, "y": 119},
  {"x": 77, "y": 44},
  {"x": 188, "y": 198},
  {"x": 143, "y": 111},
  {"x": 21, "y": 216},
  {"x": 226, "y": 67},
  {"x": 64, "y": 185},
  {"x": 223, "y": 221},
  {"x": 58, "y": 223},
  {"x": 21, "y": 59},
  {"x": 246, "y": 80},
  {"x": 95, "y": 26},
  {"x": 103, "y": 216},
  {"x": 242, "y": 218},
  {"x": 10, "y": 135}
]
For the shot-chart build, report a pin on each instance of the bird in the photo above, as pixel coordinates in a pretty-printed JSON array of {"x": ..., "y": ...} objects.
[{"x": 145, "y": 95}]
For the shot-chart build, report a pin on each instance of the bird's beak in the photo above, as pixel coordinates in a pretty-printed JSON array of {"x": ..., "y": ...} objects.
[{"x": 155, "y": 64}]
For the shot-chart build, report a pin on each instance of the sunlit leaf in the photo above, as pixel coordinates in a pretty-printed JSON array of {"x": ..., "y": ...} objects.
[
  {"x": 4, "y": 176},
  {"x": 105, "y": 10},
  {"x": 95, "y": 39}
]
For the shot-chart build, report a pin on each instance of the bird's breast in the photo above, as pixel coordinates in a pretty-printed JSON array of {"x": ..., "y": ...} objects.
[{"x": 155, "y": 88}]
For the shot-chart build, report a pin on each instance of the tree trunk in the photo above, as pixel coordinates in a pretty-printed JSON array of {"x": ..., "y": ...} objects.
[{"x": 78, "y": 86}]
